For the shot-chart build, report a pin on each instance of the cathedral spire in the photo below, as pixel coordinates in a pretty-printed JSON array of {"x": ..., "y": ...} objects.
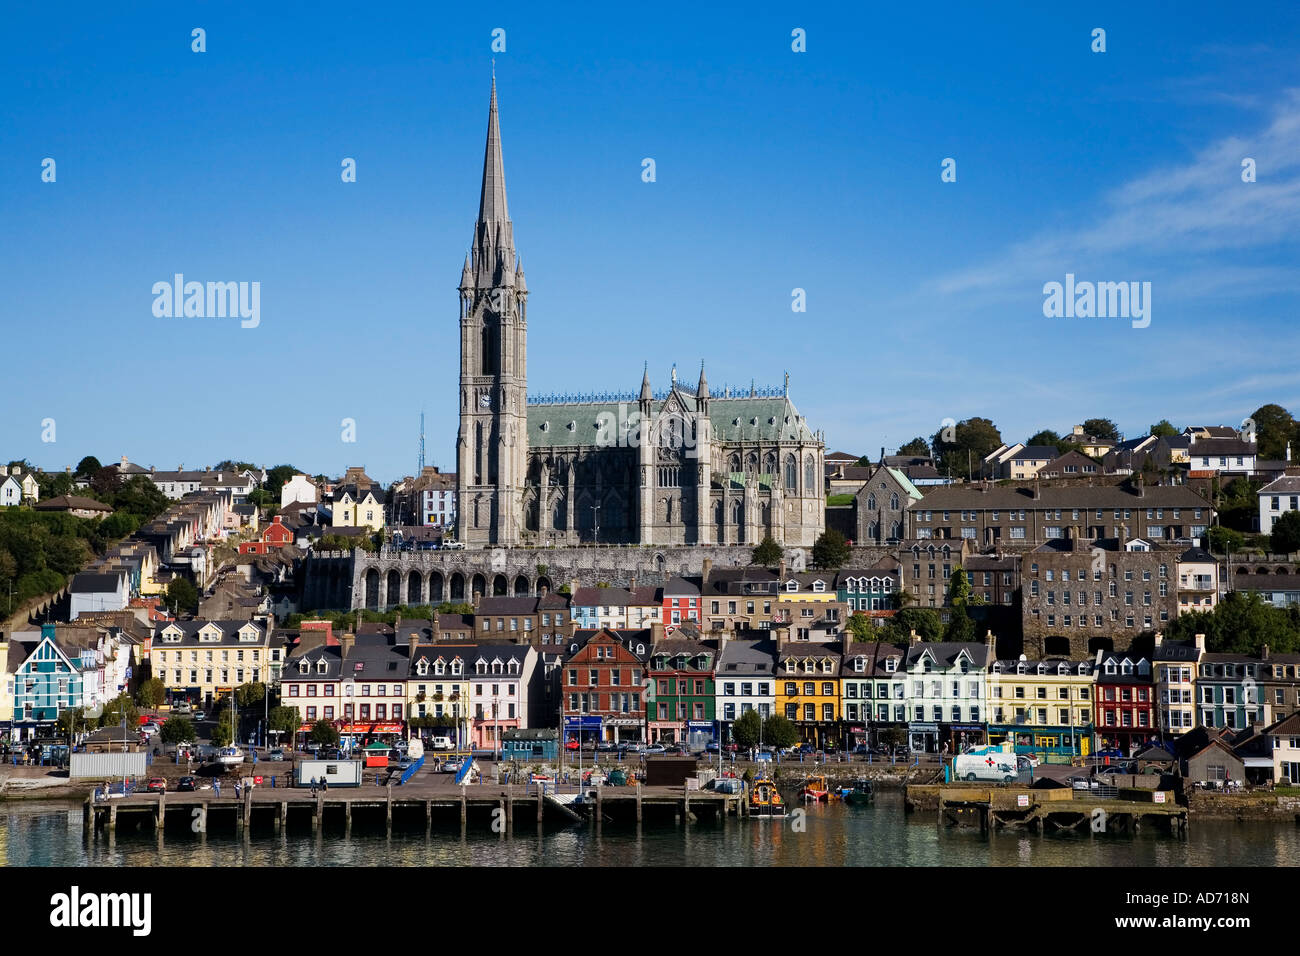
[
  {"x": 494, "y": 240},
  {"x": 492, "y": 202},
  {"x": 646, "y": 394},
  {"x": 702, "y": 390}
]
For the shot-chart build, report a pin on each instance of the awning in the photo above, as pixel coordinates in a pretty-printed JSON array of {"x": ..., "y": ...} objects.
[
  {"x": 1258, "y": 762},
  {"x": 368, "y": 728}
]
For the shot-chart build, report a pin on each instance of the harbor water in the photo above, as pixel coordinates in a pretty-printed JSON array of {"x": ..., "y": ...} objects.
[{"x": 51, "y": 833}]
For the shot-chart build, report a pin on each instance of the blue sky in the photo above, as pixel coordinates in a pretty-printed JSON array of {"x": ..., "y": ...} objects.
[{"x": 775, "y": 170}]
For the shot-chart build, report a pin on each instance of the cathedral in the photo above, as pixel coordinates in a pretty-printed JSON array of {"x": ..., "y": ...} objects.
[{"x": 682, "y": 465}]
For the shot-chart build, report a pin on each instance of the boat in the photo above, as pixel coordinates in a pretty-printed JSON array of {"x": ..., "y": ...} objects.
[
  {"x": 815, "y": 788},
  {"x": 861, "y": 794},
  {"x": 230, "y": 756},
  {"x": 765, "y": 800}
]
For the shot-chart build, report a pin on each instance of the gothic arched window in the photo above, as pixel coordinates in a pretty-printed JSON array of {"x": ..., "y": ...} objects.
[
  {"x": 893, "y": 501},
  {"x": 809, "y": 475},
  {"x": 871, "y": 501},
  {"x": 791, "y": 473}
]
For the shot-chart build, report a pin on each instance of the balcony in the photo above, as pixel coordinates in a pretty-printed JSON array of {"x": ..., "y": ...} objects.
[{"x": 1202, "y": 582}]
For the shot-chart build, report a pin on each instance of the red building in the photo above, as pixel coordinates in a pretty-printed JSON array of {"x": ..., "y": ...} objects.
[
  {"x": 681, "y": 603},
  {"x": 274, "y": 536},
  {"x": 1125, "y": 702},
  {"x": 604, "y": 677}
]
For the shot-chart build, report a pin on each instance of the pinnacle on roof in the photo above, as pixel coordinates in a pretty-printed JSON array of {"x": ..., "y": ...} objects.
[
  {"x": 646, "y": 393},
  {"x": 702, "y": 389}
]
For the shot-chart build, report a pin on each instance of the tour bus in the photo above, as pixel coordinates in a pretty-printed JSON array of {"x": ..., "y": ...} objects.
[{"x": 986, "y": 763}]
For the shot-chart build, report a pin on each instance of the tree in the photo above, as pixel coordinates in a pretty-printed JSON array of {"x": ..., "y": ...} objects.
[
  {"x": 1274, "y": 427},
  {"x": 151, "y": 693},
  {"x": 323, "y": 732},
  {"x": 1101, "y": 428},
  {"x": 249, "y": 694},
  {"x": 831, "y": 550},
  {"x": 960, "y": 626},
  {"x": 224, "y": 733},
  {"x": 182, "y": 597},
  {"x": 284, "y": 719},
  {"x": 277, "y": 476},
  {"x": 746, "y": 729},
  {"x": 768, "y": 553},
  {"x": 780, "y": 732},
  {"x": 1224, "y": 539},
  {"x": 1045, "y": 437},
  {"x": 177, "y": 730},
  {"x": 917, "y": 447},
  {"x": 1286, "y": 533},
  {"x": 70, "y": 720},
  {"x": 860, "y": 626},
  {"x": 88, "y": 466},
  {"x": 970, "y": 441},
  {"x": 117, "y": 708},
  {"x": 924, "y": 620},
  {"x": 1162, "y": 429}
]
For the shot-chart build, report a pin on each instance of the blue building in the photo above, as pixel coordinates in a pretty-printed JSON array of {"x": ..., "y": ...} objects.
[
  {"x": 46, "y": 682},
  {"x": 526, "y": 745}
]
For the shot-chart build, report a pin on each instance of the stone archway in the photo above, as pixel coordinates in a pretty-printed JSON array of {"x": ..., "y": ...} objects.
[
  {"x": 521, "y": 586},
  {"x": 414, "y": 588},
  {"x": 543, "y": 583},
  {"x": 435, "y": 588},
  {"x": 370, "y": 586},
  {"x": 500, "y": 586},
  {"x": 478, "y": 585},
  {"x": 457, "y": 588},
  {"x": 393, "y": 582}
]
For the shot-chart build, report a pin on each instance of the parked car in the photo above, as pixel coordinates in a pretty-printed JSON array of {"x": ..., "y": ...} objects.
[
  {"x": 156, "y": 785},
  {"x": 655, "y": 749},
  {"x": 182, "y": 708},
  {"x": 275, "y": 754},
  {"x": 401, "y": 763},
  {"x": 199, "y": 715},
  {"x": 185, "y": 785},
  {"x": 607, "y": 746},
  {"x": 149, "y": 729},
  {"x": 711, "y": 747},
  {"x": 571, "y": 745}
]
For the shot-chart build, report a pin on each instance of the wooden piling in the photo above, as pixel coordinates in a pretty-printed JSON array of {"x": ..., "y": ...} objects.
[
  {"x": 281, "y": 820},
  {"x": 638, "y": 802},
  {"x": 428, "y": 818},
  {"x": 389, "y": 807}
]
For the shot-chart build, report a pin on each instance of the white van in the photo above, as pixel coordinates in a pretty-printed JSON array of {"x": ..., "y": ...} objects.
[
  {"x": 441, "y": 743},
  {"x": 986, "y": 765}
]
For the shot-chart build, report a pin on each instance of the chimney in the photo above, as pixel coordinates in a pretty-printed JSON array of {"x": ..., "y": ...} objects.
[
  {"x": 412, "y": 640},
  {"x": 1038, "y": 492},
  {"x": 346, "y": 640},
  {"x": 474, "y": 599},
  {"x": 573, "y": 587},
  {"x": 631, "y": 584},
  {"x": 708, "y": 569},
  {"x": 397, "y": 623},
  {"x": 882, "y": 454},
  {"x": 656, "y": 631},
  {"x": 1200, "y": 643},
  {"x": 67, "y": 469},
  {"x": 781, "y": 572},
  {"x": 1263, "y": 652},
  {"x": 435, "y": 627},
  {"x": 1160, "y": 638},
  {"x": 1141, "y": 488},
  {"x": 992, "y": 643},
  {"x": 914, "y": 638}
]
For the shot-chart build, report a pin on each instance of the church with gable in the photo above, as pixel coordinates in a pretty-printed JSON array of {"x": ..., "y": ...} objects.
[{"x": 676, "y": 466}]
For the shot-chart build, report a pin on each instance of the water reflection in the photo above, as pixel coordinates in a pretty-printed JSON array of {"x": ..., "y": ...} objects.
[{"x": 52, "y": 834}]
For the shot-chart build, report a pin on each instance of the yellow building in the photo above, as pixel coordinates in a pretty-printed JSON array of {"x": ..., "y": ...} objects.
[
  {"x": 1044, "y": 707},
  {"x": 808, "y": 608},
  {"x": 200, "y": 661},
  {"x": 357, "y": 507},
  {"x": 808, "y": 691},
  {"x": 438, "y": 685}
]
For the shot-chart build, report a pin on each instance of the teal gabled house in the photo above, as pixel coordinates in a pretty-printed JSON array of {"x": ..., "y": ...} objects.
[{"x": 45, "y": 683}]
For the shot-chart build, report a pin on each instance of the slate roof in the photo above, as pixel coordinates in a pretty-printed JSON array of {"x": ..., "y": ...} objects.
[
  {"x": 89, "y": 582},
  {"x": 966, "y": 497},
  {"x": 745, "y": 658},
  {"x": 71, "y": 502},
  {"x": 945, "y": 652},
  {"x": 1286, "y": 485}
]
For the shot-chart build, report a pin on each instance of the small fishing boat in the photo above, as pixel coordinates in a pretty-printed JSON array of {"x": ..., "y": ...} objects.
[
  {"x": 815, "y": 789},
  {"x": 860, "y": 795},
  {"x": 764, "y": 800},
  {"x": 230, "y": 756}
]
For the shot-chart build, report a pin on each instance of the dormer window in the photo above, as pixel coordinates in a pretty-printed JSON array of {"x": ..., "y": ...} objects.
[
  {"x": 513, "y": 666},
  {"x": 1021, "y": 668},
  {"x": 819, "y": 586},
  {"x": 481, "y": 667},
  {"x": 891, "y": 665},
  {"x": 997, "y": 667},
  {"x": 321, "y": 666},
  {"x": 457, "y": 668},
  {"x": 496, "y": 667},
  {"x": 1127, "y": 667},
  {"x": 304, "y": 667},
  {"x": 439, "y": 668},
  {"x": 791, "y": 586},
  {"x": 1110, "y": 667},
  {"x": 859, "y": 664},
  {"x": 1042, "y": 669},
  {"x": 1063, "y": 670},
  {"x": 422, "y": 668}
]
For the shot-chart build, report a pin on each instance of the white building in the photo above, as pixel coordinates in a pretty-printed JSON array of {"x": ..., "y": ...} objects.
[
  {"x": 945, "y": 693},
  {"x": 91, "y": 591},
  {"x": 745, "y": 681},
  {"x": 298, "y": 488},
  {"x": 1198, "y": 581},
  {"x": 1277, "y": 498}
]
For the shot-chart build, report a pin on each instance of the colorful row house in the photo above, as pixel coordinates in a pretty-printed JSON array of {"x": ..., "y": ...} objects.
[
  {"x": 1042, "y": 707},
  {"x": 604, "y": 684},
  {"x": 682, "y": 696},
  {"x": 1124, "y": 701},
  {"x": 946, "y": 700},
  {"x": 808, "y": 692},
  {"x": 1176, "y": 667},
  {"x": 45, "y": 682}
]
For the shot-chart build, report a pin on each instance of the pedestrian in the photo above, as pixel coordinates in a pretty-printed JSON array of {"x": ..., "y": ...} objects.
[
  {"x": 313, "y": 786},
  {"x": 216, "y": 787},
  {"x": 325, "y": 784}
]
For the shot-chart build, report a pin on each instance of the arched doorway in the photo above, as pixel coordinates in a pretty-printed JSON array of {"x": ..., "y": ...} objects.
[
  {"x": 457, "y": 587},
  {"x": 372, "y": 589},
  {"x": 521, "y": 586},
  {"x": 394, "y": 588},
  {"x": 435, "y": 588},
  {"x": 544, "y": 584},
  {"x": 478, "y": 585},
  {"x": 414, "y": 587},
  {"x": 500, "y": 586}
]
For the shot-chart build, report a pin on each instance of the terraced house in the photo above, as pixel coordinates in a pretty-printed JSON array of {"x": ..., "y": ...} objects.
[
  {"x": 745, "y": 681},
  {"x": 808, "y": 691},
  {"x": 603, "y": 676},
  {"x": 200, "y": 661},
  {"x": 872, "y": 690},
  {"x": 682, "y": 678},
  {"x": 1124, "y": 695},
  {"x": 946, "y": 693},
  {"x": 739, "y": 599},
  {"x": 46, "y": 681},
  {"x": 1228, "y": 691},
  {"x": 1043, "y": 707},
  {"x": 1176, "y": 665},
  {"x": 1026, "y": 517}
]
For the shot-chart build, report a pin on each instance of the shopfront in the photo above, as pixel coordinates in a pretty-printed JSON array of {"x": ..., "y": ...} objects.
[{"x": 923, "y": 738}]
